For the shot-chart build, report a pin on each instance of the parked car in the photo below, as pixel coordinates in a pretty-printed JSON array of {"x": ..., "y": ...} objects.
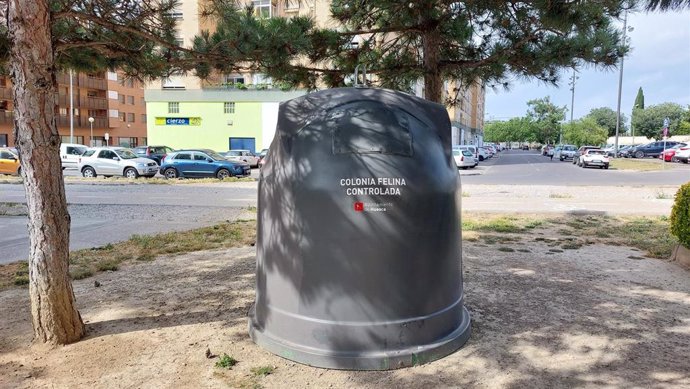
[
  {"x": 479, "y": 153},
  {"x": 623, "y": 151},
  {"x": 682, "y": 155},
  {"x": 70, "y": 153},
  {"x": 564, "y": 152},
  {"x": 581, "y": 151},
  {"x": 489, "y": 151},
  {"x": 202, "y": 163},
  {"x": 594, "y": 157},
  {"x": 668, "y": 154},
  {"x": 652, "y": 149},
  {"x": 115, "y": 161},
  {"x": 464, "y": 159},
  {"x": 525, "y": 147},
  {"x": 9, "y": 162},
  {"x": 243, "y": 155},
  {"x": 156, "y": 153},
  {"x": 263, "y": 156}
]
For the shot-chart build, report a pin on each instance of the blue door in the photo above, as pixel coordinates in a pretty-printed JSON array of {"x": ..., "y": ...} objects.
[{"x": 243, "y": 144}]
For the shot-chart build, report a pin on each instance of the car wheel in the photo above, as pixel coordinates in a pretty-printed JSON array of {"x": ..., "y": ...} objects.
[
  {"x": 561, "y": 159},
  {"x": 19, "y": 171},
  {"x": 606, "y": 166},
  {"x": 464, "y": 168},
  {"x": 481, "y": 158},
  {"x": 88, "y": 172},
  {"x": 131, "y": 173},
  {"x": 639, "y": 154},
  {"x": 170, "y": 173},
  {"x": 222, "y": 174}
]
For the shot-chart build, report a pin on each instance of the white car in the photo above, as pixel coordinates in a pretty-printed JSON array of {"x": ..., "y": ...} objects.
[
  {"x": 594, "y": 157},
  {"x": 242, "y": 155},
  {"x": 682, "y": 155},
  {"x": 70, "y": 153},
  {"x": 464, "y": 159},
  {"x": 115, "y": 161},
  {"x": 479, "y": 152}
]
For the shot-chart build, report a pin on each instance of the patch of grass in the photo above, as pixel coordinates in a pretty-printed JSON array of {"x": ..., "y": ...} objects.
[
  {"x": 107, "y": 265},
  {"x": 252, "y": 208},
  {"x": 661, "y": 195},
  {"x": 534, "y": 224},
  {"x": 506, "y": 249},
  {"x": 21, "y": 280},
  {"x": 21, "y": 276},
  {"x": 81, "y": 272},
  {"x": 560, "y": 196},
  {"x": 226, "y": 362},
  {"x": 465, "y": 194},
  {"x": 635, "y": 164},
  {"x": 262, "y": 371},
  {"x": 571, "y": 246}
]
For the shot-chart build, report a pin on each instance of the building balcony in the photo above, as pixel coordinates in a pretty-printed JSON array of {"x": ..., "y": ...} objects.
[
  {"x": 6, "y": 117},
  {"x": 85, "y": 81}
]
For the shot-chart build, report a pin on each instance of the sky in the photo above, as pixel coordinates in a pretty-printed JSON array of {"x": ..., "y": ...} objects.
[{"x": 659, "y": 62}]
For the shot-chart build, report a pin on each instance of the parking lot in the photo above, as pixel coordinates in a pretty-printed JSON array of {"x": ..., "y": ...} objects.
[{"x": 514, "y": 181}]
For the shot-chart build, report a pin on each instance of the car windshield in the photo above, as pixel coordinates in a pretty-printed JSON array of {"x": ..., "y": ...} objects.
[
  {"x": 215, "y": 156},
  {"x": 126, "y": 154},
  {"x": 467, "y": 153},
  {"x": 596, "y": 152},
  {"x": 88, "y": 153}
]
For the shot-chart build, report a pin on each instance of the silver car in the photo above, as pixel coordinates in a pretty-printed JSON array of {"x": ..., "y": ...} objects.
[
  {"x": 242, "y": 155},
  {"x": 115, "y": 161}
]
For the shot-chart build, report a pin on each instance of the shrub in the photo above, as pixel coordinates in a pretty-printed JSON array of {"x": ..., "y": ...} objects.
[{"x": 680, "y": 216}]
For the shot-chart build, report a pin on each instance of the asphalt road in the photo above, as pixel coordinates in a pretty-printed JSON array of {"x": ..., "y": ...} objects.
[
  {"x": 518, "y": 167},
  {"x": 515, "y": 181}
]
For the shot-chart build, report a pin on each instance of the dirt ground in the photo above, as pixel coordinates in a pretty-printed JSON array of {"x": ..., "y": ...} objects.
[{"x": 597, "y": 316}]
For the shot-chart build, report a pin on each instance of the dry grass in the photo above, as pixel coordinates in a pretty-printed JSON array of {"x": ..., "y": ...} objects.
[
  {"x": 639, "y": 164},
  {"x": 649, "y": 234},
  {"x": 87, "y": 262}
]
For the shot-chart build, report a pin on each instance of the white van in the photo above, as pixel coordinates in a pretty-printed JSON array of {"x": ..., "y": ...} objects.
[{"x": 69, "y": 154}]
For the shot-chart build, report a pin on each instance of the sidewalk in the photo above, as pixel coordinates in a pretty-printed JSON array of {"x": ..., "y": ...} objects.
[{"x": 616, "y": 200}]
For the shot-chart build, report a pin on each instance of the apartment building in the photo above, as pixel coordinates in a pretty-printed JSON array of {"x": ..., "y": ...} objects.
[
  {"x": 103, "y": 103},
  {"x": 467, "y": 117}
]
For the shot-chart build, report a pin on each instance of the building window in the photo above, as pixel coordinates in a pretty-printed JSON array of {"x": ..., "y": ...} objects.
[
  {"x": 232, "y": 79},
  {"x": 121, "y": 115},
  {"x": 229, "y": 107},
  {"x": 262, "y": 8},
  {"x": 143, "y": 118},
  {"x": 144, "y": 141},
  {"x": 122, "y": 99},
  {"x": 130, "y": 82},
  {"x": 130, "y": 100},
  {"x": 261, "y": 80},
  {"x": 127, "y": 141},
  {"x": 179, "y": 41},
  {"x": 63, "y": 111},
  {"x": 77, "y": 139},
  {"x": 130, "y": 117},
  {"x": 174, "y": 107}
]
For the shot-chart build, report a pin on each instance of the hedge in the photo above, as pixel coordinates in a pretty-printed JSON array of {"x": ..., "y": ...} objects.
[{"x": 680, "y": 216}]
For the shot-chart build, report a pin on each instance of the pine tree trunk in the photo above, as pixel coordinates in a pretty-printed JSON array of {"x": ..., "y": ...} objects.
[
  {"x": 433, "y": 83},
  {"x": 32, "y": 68}
]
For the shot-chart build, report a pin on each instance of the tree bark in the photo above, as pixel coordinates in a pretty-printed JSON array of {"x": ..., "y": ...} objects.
[
  {"x": 433, "y": 83},
  {"x": 32, "y": 69}
]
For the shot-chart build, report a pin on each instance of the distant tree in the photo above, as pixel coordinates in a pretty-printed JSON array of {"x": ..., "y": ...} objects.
[
  {"x": 649, "y": 122},
  {"x": 547, "y": 119},
  {"x": 639, "y": 100},
  {"x": 606, "y": 117},
  {"x": 38, "y": 38},
  {"x": 684, "y": 125},
  {"x": 402, "y": 42},
  {"x": 520, "y": 129},
  {"x": 585, "y": 131}
]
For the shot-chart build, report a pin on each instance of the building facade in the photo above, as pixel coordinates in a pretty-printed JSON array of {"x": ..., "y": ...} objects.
[
  {"x": 214, "y": 119},
  {"x": 115, "y": 104}
]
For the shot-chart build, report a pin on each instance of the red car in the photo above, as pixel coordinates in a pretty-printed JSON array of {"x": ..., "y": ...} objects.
[{"x": 668, "y": 154}]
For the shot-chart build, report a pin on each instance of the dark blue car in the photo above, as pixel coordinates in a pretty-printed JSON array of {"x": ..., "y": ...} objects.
[{"x": 202, "y": 163}]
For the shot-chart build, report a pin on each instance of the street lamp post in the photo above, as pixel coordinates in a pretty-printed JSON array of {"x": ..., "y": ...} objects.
[
  {"x": 91, "y": 124},
  {"x": 620, "y": 87},
  {"x": 573, "y": 80}
]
